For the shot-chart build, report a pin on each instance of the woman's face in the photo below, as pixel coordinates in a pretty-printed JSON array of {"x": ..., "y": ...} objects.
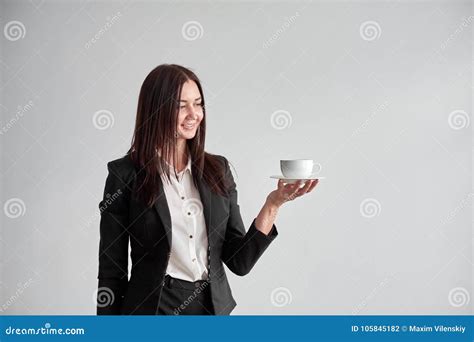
[{"x": 190, "y": 110}]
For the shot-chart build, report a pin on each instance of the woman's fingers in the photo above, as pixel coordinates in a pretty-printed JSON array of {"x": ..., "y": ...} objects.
[
  {"x": 286, "y": 191},
  {"x": 280, "y": 184},
  {"x": 305, "y": 188},
  {"x": 296, "y": 190},
  {"x": 291, "y": 191},
  {"x": 313, "y": 185},
  {"x": 290, "y": 187}
]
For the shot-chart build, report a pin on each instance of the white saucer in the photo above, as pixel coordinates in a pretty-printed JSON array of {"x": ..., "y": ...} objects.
[{"x": 294, "y": 180}]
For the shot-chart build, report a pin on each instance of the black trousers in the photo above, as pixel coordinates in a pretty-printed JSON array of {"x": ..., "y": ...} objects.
[{"x": 181, "y": 297}]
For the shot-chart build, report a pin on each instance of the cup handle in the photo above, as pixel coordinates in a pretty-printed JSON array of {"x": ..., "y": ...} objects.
[{"x": 319, "y": 168}]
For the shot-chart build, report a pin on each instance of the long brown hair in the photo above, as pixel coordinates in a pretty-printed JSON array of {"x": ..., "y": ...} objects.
[{"x": 156, "y": 129}]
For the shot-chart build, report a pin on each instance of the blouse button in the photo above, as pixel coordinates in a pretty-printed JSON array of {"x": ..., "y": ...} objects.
[
  {"x": 182, "y": 197},
  {"x": 190, "y": 236}
]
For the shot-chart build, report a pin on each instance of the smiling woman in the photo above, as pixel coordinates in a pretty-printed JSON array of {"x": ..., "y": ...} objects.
[
  {"x": 177, "y": 207},
  {"x": 170, "y": 98},
  {"x": 190, "y": 111}
]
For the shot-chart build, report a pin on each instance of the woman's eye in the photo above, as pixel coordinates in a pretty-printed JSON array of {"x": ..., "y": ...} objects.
[{"x": 197, "y": 104}]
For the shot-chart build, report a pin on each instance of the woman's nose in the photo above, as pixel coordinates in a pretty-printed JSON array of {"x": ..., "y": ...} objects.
[
  {"x": 192, "y": 112},
  {"x": 191, "y": 116}
]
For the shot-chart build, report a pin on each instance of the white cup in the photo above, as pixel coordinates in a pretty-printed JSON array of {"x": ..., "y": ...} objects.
[{"x": 297, "y": 168}]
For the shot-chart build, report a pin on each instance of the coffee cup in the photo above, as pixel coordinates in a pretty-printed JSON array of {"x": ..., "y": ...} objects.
[{"x": 297, "y": 168}]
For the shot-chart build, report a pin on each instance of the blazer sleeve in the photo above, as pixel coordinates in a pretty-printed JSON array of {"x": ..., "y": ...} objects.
[
  {"x": 113, "y": 245},
  {"x": 241, "y": 250}
]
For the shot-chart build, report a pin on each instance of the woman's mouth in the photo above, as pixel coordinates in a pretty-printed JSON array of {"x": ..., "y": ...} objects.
[{"x": 188, "y": 126}]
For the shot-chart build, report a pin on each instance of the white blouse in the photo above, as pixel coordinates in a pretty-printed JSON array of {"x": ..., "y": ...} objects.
[{"x": 189, "y": 244}]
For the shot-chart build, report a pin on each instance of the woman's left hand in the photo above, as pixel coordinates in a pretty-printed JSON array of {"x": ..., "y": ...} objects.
[{"x": 288, "y": 192}]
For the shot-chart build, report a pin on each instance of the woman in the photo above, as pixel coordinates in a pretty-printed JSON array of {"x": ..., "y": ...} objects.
[{"x": 177, "y": 206}]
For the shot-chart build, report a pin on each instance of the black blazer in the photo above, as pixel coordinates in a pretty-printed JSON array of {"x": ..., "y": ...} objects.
[{"x": 124, "y": 218}]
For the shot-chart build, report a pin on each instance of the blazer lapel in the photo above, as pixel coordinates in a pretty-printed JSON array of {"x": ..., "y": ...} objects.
[
  {"x": 206, "y": 200},
  {"x": 161, "y": 206}
]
